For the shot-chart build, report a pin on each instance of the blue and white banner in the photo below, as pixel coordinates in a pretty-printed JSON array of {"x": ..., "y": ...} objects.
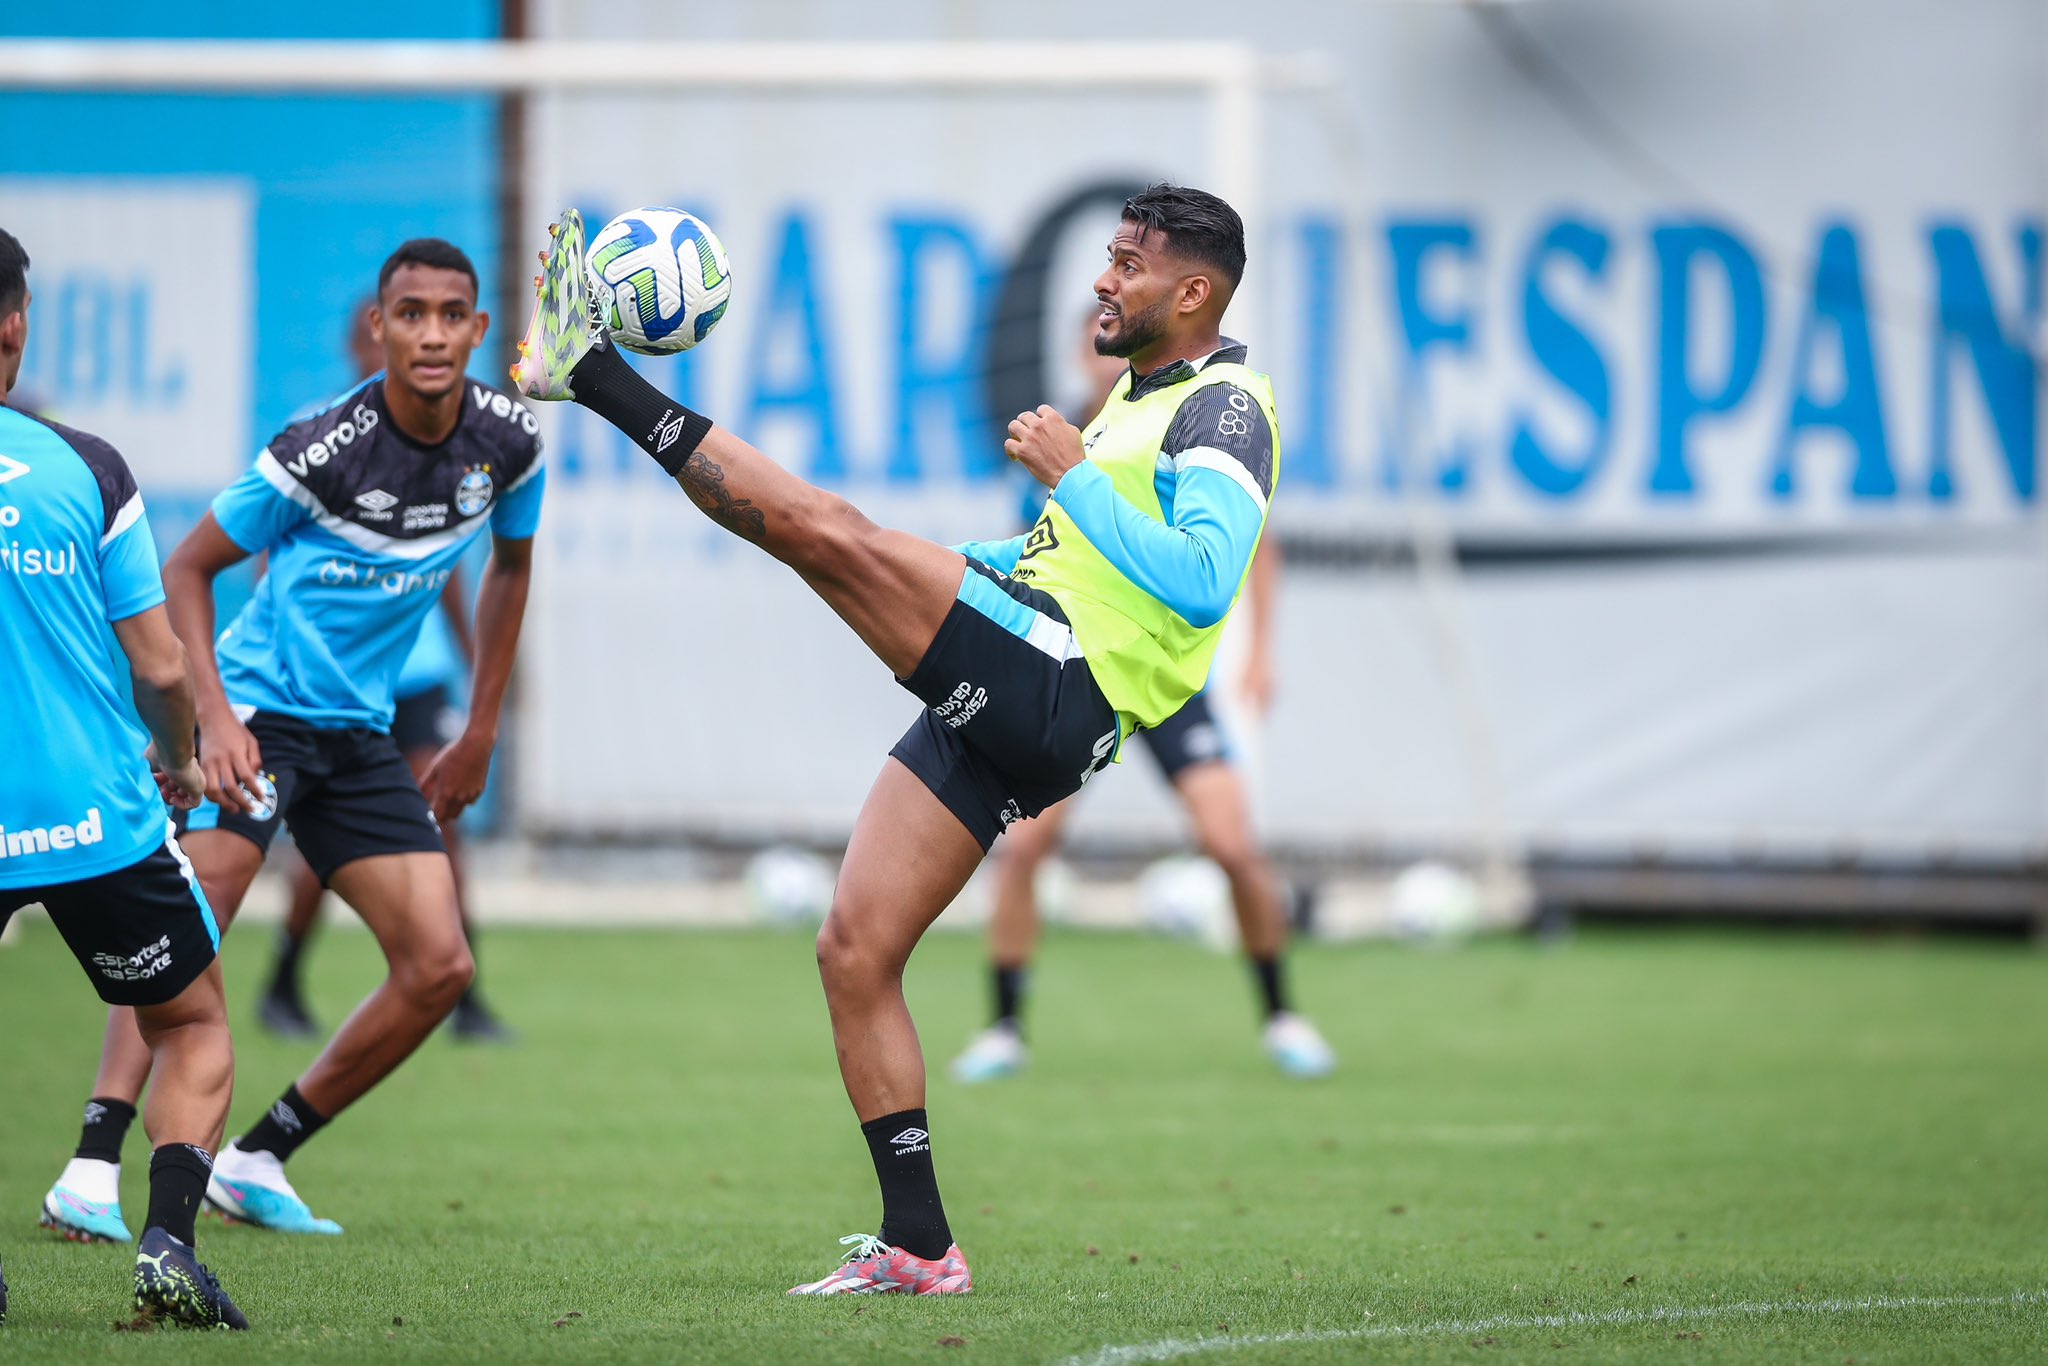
[
  {"x": 140, "y": 329},
  {"x": 1719, "y": 372}
]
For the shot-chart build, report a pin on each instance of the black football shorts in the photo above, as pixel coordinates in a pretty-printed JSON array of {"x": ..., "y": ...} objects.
[{"x": 1013, "y": 719}]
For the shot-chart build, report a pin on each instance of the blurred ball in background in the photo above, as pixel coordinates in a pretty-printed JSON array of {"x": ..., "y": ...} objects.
[
  {"x": 788, "y": 886},
  {"x": 1188, "y": 897},
  {"x": 1433, "y": 903}
]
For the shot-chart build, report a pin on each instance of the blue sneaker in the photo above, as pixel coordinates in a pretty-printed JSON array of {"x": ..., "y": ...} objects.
[
  {"x": 1297, "y": 1049},
  {"x": 85, "y": 1204},
  {"x": 993, "y": 1054},
  {"x": 172, "y": 1287},
  {"x": 250, "y": 1188}
]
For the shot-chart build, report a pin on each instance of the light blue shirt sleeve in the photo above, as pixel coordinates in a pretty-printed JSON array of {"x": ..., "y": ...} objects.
[
  {"x": 255, "y": 515},
  {"x": 129, "y": 574},
  {"x": 517, "y": 515},
  {"x": 1000, "y": 556},
  {"x": 1192, "y": 564}
]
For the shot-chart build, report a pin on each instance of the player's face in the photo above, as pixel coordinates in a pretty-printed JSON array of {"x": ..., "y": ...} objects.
[
  {"x": 428, "y": 323},
  {"x": 1137, "y": 293}
]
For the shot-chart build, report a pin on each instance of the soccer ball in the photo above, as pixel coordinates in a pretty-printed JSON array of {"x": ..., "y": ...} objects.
[
  {"x": 1188, "y": 897},
  {"x": 788, "y": 886},
  {"x": 659, "y": 281},
  {"x": 1433, "y": 903}
]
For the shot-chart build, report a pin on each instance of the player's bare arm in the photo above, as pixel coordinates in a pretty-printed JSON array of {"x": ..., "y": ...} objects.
[
  {"x": 456, "y": 778},
  {"x": 228, "y": 753},
  {"x": 162, "y": 682}
]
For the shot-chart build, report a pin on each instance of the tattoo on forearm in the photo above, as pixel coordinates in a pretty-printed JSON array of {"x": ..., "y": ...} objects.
[{"x": 704, "y": 481}]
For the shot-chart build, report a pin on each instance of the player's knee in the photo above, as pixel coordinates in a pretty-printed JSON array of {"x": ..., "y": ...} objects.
[
  {"x": 437, "y": 978},
  {"x": 1237, "y": 855},
  {"x": 828, "y": 534},
  {"x": 849, "y": 957}
]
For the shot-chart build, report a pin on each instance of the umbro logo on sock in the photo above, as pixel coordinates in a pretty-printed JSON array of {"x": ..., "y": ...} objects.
[
  {"x": 287, "y": 1118},
  {"x": 667, "y": 434},
  {"x": 94, "y": 1112},
  {"x": 911, "y": 1140}
]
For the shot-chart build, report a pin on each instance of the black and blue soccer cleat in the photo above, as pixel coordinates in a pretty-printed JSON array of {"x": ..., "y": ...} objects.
[{"x": 172, "y": 1287}]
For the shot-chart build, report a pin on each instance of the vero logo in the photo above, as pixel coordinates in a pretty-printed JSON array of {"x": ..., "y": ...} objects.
[{"x": 11, "y": 469}]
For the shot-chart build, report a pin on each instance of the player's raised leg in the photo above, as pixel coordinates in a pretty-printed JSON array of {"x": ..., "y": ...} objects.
[{"x": 892, "y": 588}]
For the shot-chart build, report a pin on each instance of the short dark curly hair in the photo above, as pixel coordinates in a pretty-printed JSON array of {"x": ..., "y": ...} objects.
[
  {"x": 1198, "y": 225},
  {"x": 426, "y": 251}
]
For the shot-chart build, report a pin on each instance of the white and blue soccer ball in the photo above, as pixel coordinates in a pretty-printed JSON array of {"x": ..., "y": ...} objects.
[{"x": 659, "y": 280}]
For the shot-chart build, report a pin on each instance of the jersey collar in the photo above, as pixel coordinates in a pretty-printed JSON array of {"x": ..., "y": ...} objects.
[{"x": 1232, "y": 352}]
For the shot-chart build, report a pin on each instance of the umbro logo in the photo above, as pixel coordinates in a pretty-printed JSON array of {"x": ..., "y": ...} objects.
[
  {"x": 668, "y": 435},
  {"x": 910, "y": 1135},
  {"x": 376, "y": 500},
  {"x": 11, "y": 469},
  {"x": 1041, "y": 539}
]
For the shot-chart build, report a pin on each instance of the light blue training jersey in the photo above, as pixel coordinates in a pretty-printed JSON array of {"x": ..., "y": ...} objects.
[
  {"x": 76, "y": 796},
  {"x": 363, "y": 526}
]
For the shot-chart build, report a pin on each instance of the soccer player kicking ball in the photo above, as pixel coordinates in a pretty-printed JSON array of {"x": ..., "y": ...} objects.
[
  {"x": 1034, "y": 656},
  {"x": 82, "y": 822},
  {"x": 364, "y": 506}
]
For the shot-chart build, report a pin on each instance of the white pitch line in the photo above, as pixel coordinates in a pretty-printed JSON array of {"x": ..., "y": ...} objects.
[{"x": 1170, "y": 1349}]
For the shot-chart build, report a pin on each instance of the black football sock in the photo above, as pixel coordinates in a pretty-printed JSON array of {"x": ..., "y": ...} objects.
[
  {"x": 106, "y": 1128},
  {"x": 604, "y": 383},
  {"x": 288, "y": 1124},
  {"x": 284, "y": 977},
  {"x": 1009, "y": 986},
  {"x": 912, "y": 1217},
  {"x": 177, "y": 1180},
  {"x": 1272, "y": 990}
]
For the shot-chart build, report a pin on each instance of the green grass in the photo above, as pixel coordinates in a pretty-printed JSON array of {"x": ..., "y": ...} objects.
[{"x": 1795, "y": 1148}]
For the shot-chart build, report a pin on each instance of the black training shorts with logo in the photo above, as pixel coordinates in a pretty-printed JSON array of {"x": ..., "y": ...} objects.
[
  {"x": 142, "y": 933},
  {"x": 1013, "y": 718},
  {"x": 345, "y": 794}
]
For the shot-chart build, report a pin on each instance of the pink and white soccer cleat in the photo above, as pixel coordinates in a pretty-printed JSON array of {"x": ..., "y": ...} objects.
[{"x": 875, "y": 1268}]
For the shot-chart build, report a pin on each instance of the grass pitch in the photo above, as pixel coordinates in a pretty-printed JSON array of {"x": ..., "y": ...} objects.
[{"x": 1711, "y": 1147}]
